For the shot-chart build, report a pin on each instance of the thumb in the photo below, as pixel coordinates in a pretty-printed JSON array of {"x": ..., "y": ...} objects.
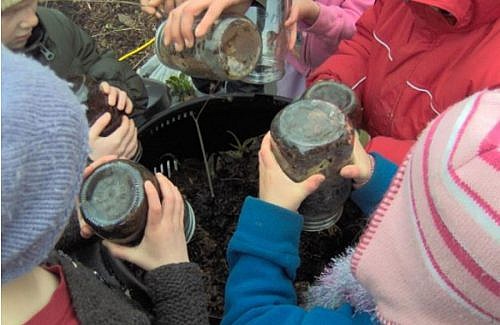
[
  {"x": 350, "y": 171},
  {"x": 99, "y": 125},
  {"x": 119, "y": 251},
  {"x": 313, "y": 182}
]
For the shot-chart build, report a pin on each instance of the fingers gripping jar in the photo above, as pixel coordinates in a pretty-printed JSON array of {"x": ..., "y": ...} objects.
[
  {"x": 229, "y": 51},
  {"x": 310, "y": 137},
  {"x": 113, "y": 202}
]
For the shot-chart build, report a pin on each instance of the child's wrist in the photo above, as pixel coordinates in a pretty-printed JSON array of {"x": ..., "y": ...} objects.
[{"x": 360, "y": 183}]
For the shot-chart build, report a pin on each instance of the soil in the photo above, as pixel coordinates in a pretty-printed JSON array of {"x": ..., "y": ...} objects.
[
  {"x": 115, "y": 25},
  {"x": 235, "y": 177},
  {"x": 121, "y": 26}
]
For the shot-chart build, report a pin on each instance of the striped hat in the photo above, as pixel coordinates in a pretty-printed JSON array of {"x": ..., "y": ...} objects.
[{"x": 431, "y": 253}]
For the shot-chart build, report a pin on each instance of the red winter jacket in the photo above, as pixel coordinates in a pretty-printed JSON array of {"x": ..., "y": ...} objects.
[{"x": 408, "y": 62}]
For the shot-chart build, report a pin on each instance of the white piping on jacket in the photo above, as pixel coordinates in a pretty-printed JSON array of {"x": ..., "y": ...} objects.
[
  {"x": 359, "y": 82},
  {"x": 427, "y": 92},
  {"x": 384, "y": 45}
]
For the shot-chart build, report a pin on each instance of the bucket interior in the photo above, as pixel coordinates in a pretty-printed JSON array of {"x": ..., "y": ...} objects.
[{"x": 174, "y": 132}]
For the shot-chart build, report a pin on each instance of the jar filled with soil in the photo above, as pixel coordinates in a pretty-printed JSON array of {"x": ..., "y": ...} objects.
[
  {"x": 336, "y": 93},
  {"x": 309, "y": 137},
  {"x": 113, "y": 202},
  {"x": 88, "y": 92},
  {"x": 229, "y": 51}
]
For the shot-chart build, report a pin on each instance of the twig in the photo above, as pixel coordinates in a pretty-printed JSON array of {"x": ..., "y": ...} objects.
[
  {"x": 116, "y": 31},
  {"x": 202, "y": 145},
  {"x": 100, "y": 1},
  {"x": 140, "y": 61},
  {"x": 236, "y": 179}
]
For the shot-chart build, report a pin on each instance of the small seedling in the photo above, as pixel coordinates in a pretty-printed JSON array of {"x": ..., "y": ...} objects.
[{"x": 180, "y": 86}]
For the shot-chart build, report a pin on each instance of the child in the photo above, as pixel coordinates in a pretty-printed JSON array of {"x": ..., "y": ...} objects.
[
  {"x": 410, "y": 60},
  {"x": 323, "y": 24},
  {"x": 429, "y": 254},
  {"x": 52, "y": 39},
  {"x": 44, "y": 150}
]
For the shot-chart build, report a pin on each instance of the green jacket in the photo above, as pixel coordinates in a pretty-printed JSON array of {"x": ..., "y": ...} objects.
[{"x": 70, "y": 51}]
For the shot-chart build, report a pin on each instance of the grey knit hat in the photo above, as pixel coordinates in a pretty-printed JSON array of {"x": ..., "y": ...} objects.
[{"x": 44, "y": 150}]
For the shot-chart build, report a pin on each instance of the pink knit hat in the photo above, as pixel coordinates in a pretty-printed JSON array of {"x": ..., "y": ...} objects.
[{"x": 431, "y": 253}]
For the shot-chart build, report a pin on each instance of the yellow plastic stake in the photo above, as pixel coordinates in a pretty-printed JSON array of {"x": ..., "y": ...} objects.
[{"x": 137, "y": 50}]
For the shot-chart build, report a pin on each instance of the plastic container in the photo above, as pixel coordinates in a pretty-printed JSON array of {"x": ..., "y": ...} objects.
[
  {"x": 113, "y": 202},
  {"x": 229, "y": 51},
  {"x": 310, "y": 137}
]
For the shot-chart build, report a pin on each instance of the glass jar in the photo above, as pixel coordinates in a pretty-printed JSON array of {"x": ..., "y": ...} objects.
[
  {"x": 229, "y": 51},
  {"x": 336, "y": 93},
  {"x": 113, "y": 202},
  {"x": 270, "y": 23},
  {"x": 88, "y": 92},
  {"x": 309, "y": 137}
]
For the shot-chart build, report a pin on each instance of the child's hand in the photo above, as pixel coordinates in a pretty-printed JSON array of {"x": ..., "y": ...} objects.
[
  {"x": 122, "y": 142},
  {"x": 274, "y": 185},
  {"x": 179, "y": 25},
  {"x": 302, "y": 10},
  {"x": 116, "y": 97},
  {"x": 361, "y": 169},
  {"x": 164, "y": 241},
  {"x": 85, "y": 230}
]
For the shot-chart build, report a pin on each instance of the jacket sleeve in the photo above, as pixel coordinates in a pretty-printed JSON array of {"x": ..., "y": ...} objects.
[
  {"x": 337, "y": 21},
  {"x": 369, "y": 196},
  {"x": 263, "y": 259},
  {"x": 349, "y": 63},
  {"x": 105, "y": 67},
  {"x": 178, "y": 294}
]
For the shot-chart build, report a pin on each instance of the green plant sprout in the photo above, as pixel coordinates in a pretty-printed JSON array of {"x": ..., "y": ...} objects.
[
  {"x": 180, "y": 86},
  {"x": 241, "y": 149}
]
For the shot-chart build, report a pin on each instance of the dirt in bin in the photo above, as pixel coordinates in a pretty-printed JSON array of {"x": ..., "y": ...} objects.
[{"x": 236, "y": 176}]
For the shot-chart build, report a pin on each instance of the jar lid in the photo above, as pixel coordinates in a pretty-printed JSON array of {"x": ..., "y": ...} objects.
[
  {"x": 309, "y": 123},
  {"x": 112, "y": 193},
  {"x": 333, "y": 92}
]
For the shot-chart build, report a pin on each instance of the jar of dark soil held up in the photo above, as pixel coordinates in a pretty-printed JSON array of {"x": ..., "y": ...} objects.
[
  {"x": 229, "y": 51},
  {"x": 87, "y": 91},
  {"x": 113, "y": 202},
  {"x": 309, "y": 137}
]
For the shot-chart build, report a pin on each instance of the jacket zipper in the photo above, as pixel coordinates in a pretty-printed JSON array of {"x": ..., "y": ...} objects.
[{"x": 48, "y": 54}]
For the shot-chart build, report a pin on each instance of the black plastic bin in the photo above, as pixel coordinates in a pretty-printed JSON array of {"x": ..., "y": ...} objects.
[{"x": 174, "y": 130}]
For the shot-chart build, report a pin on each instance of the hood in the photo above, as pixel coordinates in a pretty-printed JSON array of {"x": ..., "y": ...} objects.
[{"x": 466, "y": 14}]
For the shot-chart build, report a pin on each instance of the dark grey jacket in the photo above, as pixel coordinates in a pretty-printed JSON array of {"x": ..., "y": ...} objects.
[
  {"x": 59, "y": 43},
  {"x": 177, "y": 291}
]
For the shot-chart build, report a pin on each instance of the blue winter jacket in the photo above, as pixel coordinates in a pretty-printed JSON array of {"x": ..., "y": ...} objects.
[{"x": 263, "y": 257}]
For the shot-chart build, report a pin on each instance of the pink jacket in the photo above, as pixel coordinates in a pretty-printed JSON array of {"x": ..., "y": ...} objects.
[{"x": 336, "y": 21}]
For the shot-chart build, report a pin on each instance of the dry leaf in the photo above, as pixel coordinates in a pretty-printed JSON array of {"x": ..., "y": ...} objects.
[{"x": 126, "y": 20}]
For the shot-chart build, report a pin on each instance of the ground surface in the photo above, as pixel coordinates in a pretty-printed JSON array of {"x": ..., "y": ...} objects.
[
  {"x": 121, "y": 26},
  {"x": 116, "y": 25}
]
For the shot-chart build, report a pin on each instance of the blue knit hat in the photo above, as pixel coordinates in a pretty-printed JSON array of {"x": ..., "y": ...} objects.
[{"x": 44, "y": 150}]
